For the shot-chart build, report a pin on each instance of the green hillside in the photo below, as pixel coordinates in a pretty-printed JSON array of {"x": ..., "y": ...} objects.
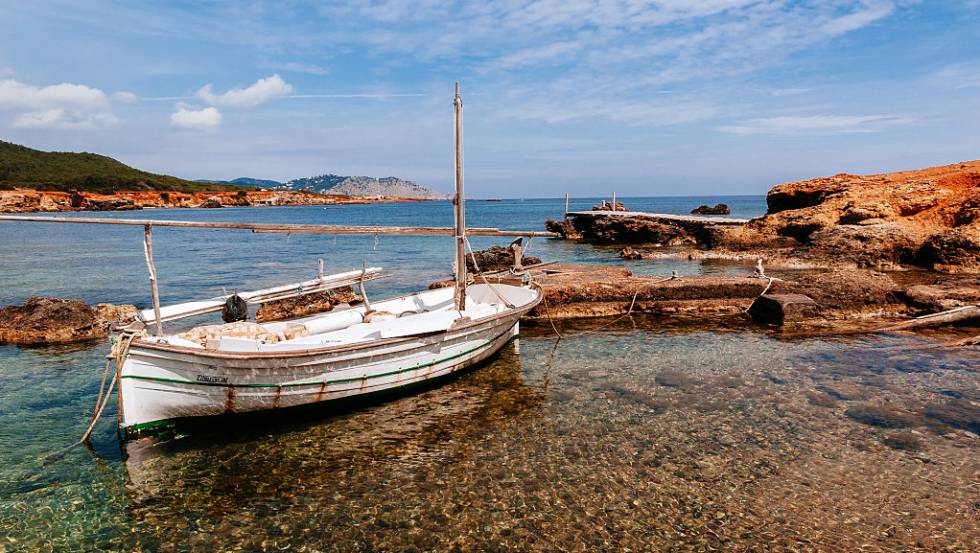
[{"x": 24, "y": 167}]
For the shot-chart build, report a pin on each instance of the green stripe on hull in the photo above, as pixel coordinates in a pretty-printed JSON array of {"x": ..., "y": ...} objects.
[
  {"x": 140, "y": 428},
  {"x": 317, "y": 383}
]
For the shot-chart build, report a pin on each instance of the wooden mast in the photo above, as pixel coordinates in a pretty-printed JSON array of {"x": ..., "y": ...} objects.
[
  {"x": 459, "y": 203},
  {"x": 154, "y": 290}
]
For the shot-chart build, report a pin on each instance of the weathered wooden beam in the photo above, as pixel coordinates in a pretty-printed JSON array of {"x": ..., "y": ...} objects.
[
  {"x": 960, "y": 314},
  {"x": 277, "y": 228},
  {"x": 154, "y": 290}
]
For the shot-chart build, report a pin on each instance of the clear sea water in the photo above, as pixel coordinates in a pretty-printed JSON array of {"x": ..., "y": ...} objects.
[{"x": 648, "y": 435}]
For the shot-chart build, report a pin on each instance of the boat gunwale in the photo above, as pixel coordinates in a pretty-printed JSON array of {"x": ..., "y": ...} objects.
[{"x": 218, "y": 354}]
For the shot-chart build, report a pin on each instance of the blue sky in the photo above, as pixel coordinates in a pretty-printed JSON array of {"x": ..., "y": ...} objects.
[{"x": 666, "y": 97}]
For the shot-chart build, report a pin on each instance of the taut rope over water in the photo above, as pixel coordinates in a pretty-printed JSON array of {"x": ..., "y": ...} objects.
[{"x": 120, "y": 350}]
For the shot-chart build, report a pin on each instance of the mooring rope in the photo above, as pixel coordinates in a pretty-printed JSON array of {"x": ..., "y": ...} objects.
[
  {"x": 629, "y": 311},
  {"x": 120, "y": 350},
  {"x": 479, "y": 272}
]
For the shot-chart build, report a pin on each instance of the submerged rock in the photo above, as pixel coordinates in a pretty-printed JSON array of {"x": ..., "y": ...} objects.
[
  {"x": 843, "y": 291},
  {"x": 45, "y": 320},
  {"x": 944, "y": 296},
  {"x": 783, "y": 308}
]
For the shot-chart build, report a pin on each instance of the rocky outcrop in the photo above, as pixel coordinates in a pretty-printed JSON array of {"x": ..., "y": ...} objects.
[
  {"x": 928, "y": 218},
  {"x": 44, "y": 320},
  {"x": 783, "y": 308},
  {"x": 584, "y": 291},
  {"x": 943, "y": 296},
  {"x": 719, "y": 209},
  {"x": 957, "y": 250},
  {"x": 497, "y": 258},
  {"x": 302, "y": 306},
  {"x": 33, "y": 201},
  {"x": 631, "y": 230},
  {"x": 211, "y": 203},
  {"x": 94, "y": 202},
  {"x": 609, "y": 206},
  {"x": 563, "y": 228},
  {"x": 845, "y": 293}
]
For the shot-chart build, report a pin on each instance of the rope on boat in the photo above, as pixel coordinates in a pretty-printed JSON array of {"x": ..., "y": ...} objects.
[
  {"x": 629, "y": 311},
  {"x": 482, "y": 276},
  {"x": 120, "y": 349}
]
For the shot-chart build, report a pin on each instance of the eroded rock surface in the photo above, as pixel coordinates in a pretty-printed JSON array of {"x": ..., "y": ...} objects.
[
  {"x": 44, "y": 320},
  {"x": 928, "y": 218},
  {"x": 308, "y": 304},
  {"x": 609, "y": 206},
  {"x": 497, "y": 258},
  {"x": 719, "y": 209}
]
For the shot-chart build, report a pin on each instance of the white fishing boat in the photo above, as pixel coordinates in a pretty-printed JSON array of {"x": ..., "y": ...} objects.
[
  {"x": 347, "y": 353},
  {"x": 336, "y": 355}
]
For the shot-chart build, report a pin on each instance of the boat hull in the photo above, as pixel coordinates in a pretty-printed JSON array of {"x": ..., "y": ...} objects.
[{"x": 160, "y": 385}]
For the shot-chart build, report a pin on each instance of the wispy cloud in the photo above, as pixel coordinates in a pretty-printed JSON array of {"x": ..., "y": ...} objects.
[
  {"x": 125, "y": 96},
  {"x": 260, "y": 92},
  {"x": 58, "y": 118},
  {"x": 202, "y": 119},
  {"x": 301, "y": 67},
  {"x": 871, "y": 11},
  {"x": 960, "y": 75},
  {"x": 813, "y": 124}
]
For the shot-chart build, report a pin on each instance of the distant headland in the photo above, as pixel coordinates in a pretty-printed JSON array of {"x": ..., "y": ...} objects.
[{"x": 37, "y": 181}]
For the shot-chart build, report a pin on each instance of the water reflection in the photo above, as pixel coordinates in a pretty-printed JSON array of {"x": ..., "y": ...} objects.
[
  {"x": 648, "y": 435},
  {"x": 320, "y": 459}
]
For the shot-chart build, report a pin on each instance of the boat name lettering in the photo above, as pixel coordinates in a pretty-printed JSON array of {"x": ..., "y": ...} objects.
[{"x": 212, "y": 379}]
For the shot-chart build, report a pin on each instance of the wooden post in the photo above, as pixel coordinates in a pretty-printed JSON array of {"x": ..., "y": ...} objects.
[
  {"x": 566, "y": 204},
  {"x": 319, "y": 268},
  {"x": 154, "y": 291},
  {"x": 459, "y": 203},
  {"x": 614, "y": 202}
]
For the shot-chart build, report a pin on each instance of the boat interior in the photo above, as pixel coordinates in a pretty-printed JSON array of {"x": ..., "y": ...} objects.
[{"x": 421, "y": 313}]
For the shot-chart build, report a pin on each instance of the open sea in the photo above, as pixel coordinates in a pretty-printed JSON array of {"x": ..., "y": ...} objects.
[{"x": 648, "y": 435}]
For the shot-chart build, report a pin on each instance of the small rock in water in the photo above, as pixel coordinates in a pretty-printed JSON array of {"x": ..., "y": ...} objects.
[
  {"x": 783, "y": 308},
  {"x": 719, "y": 209}
]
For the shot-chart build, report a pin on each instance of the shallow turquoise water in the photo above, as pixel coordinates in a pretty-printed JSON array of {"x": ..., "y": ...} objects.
[{"x": 648, "y": 435}]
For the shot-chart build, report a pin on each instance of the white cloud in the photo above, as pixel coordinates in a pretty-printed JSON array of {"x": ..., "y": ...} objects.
[
  {"x": 262, "y": 91},
  {"x": 203, "y": 119},
  {"x": 813, "y": 124},
  {"x": 125, "y": 96},
  {"x": 537, "y": 54},
  {"x": 959, "y": 76},
  {"x": 14, "y": 94},
  {"x": 58, "y": 118},
  {"x": 59, "y": 106}
]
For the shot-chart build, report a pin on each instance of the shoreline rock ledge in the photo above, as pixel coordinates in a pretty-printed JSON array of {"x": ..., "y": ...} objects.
[{"x": 46, "y": 320}]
